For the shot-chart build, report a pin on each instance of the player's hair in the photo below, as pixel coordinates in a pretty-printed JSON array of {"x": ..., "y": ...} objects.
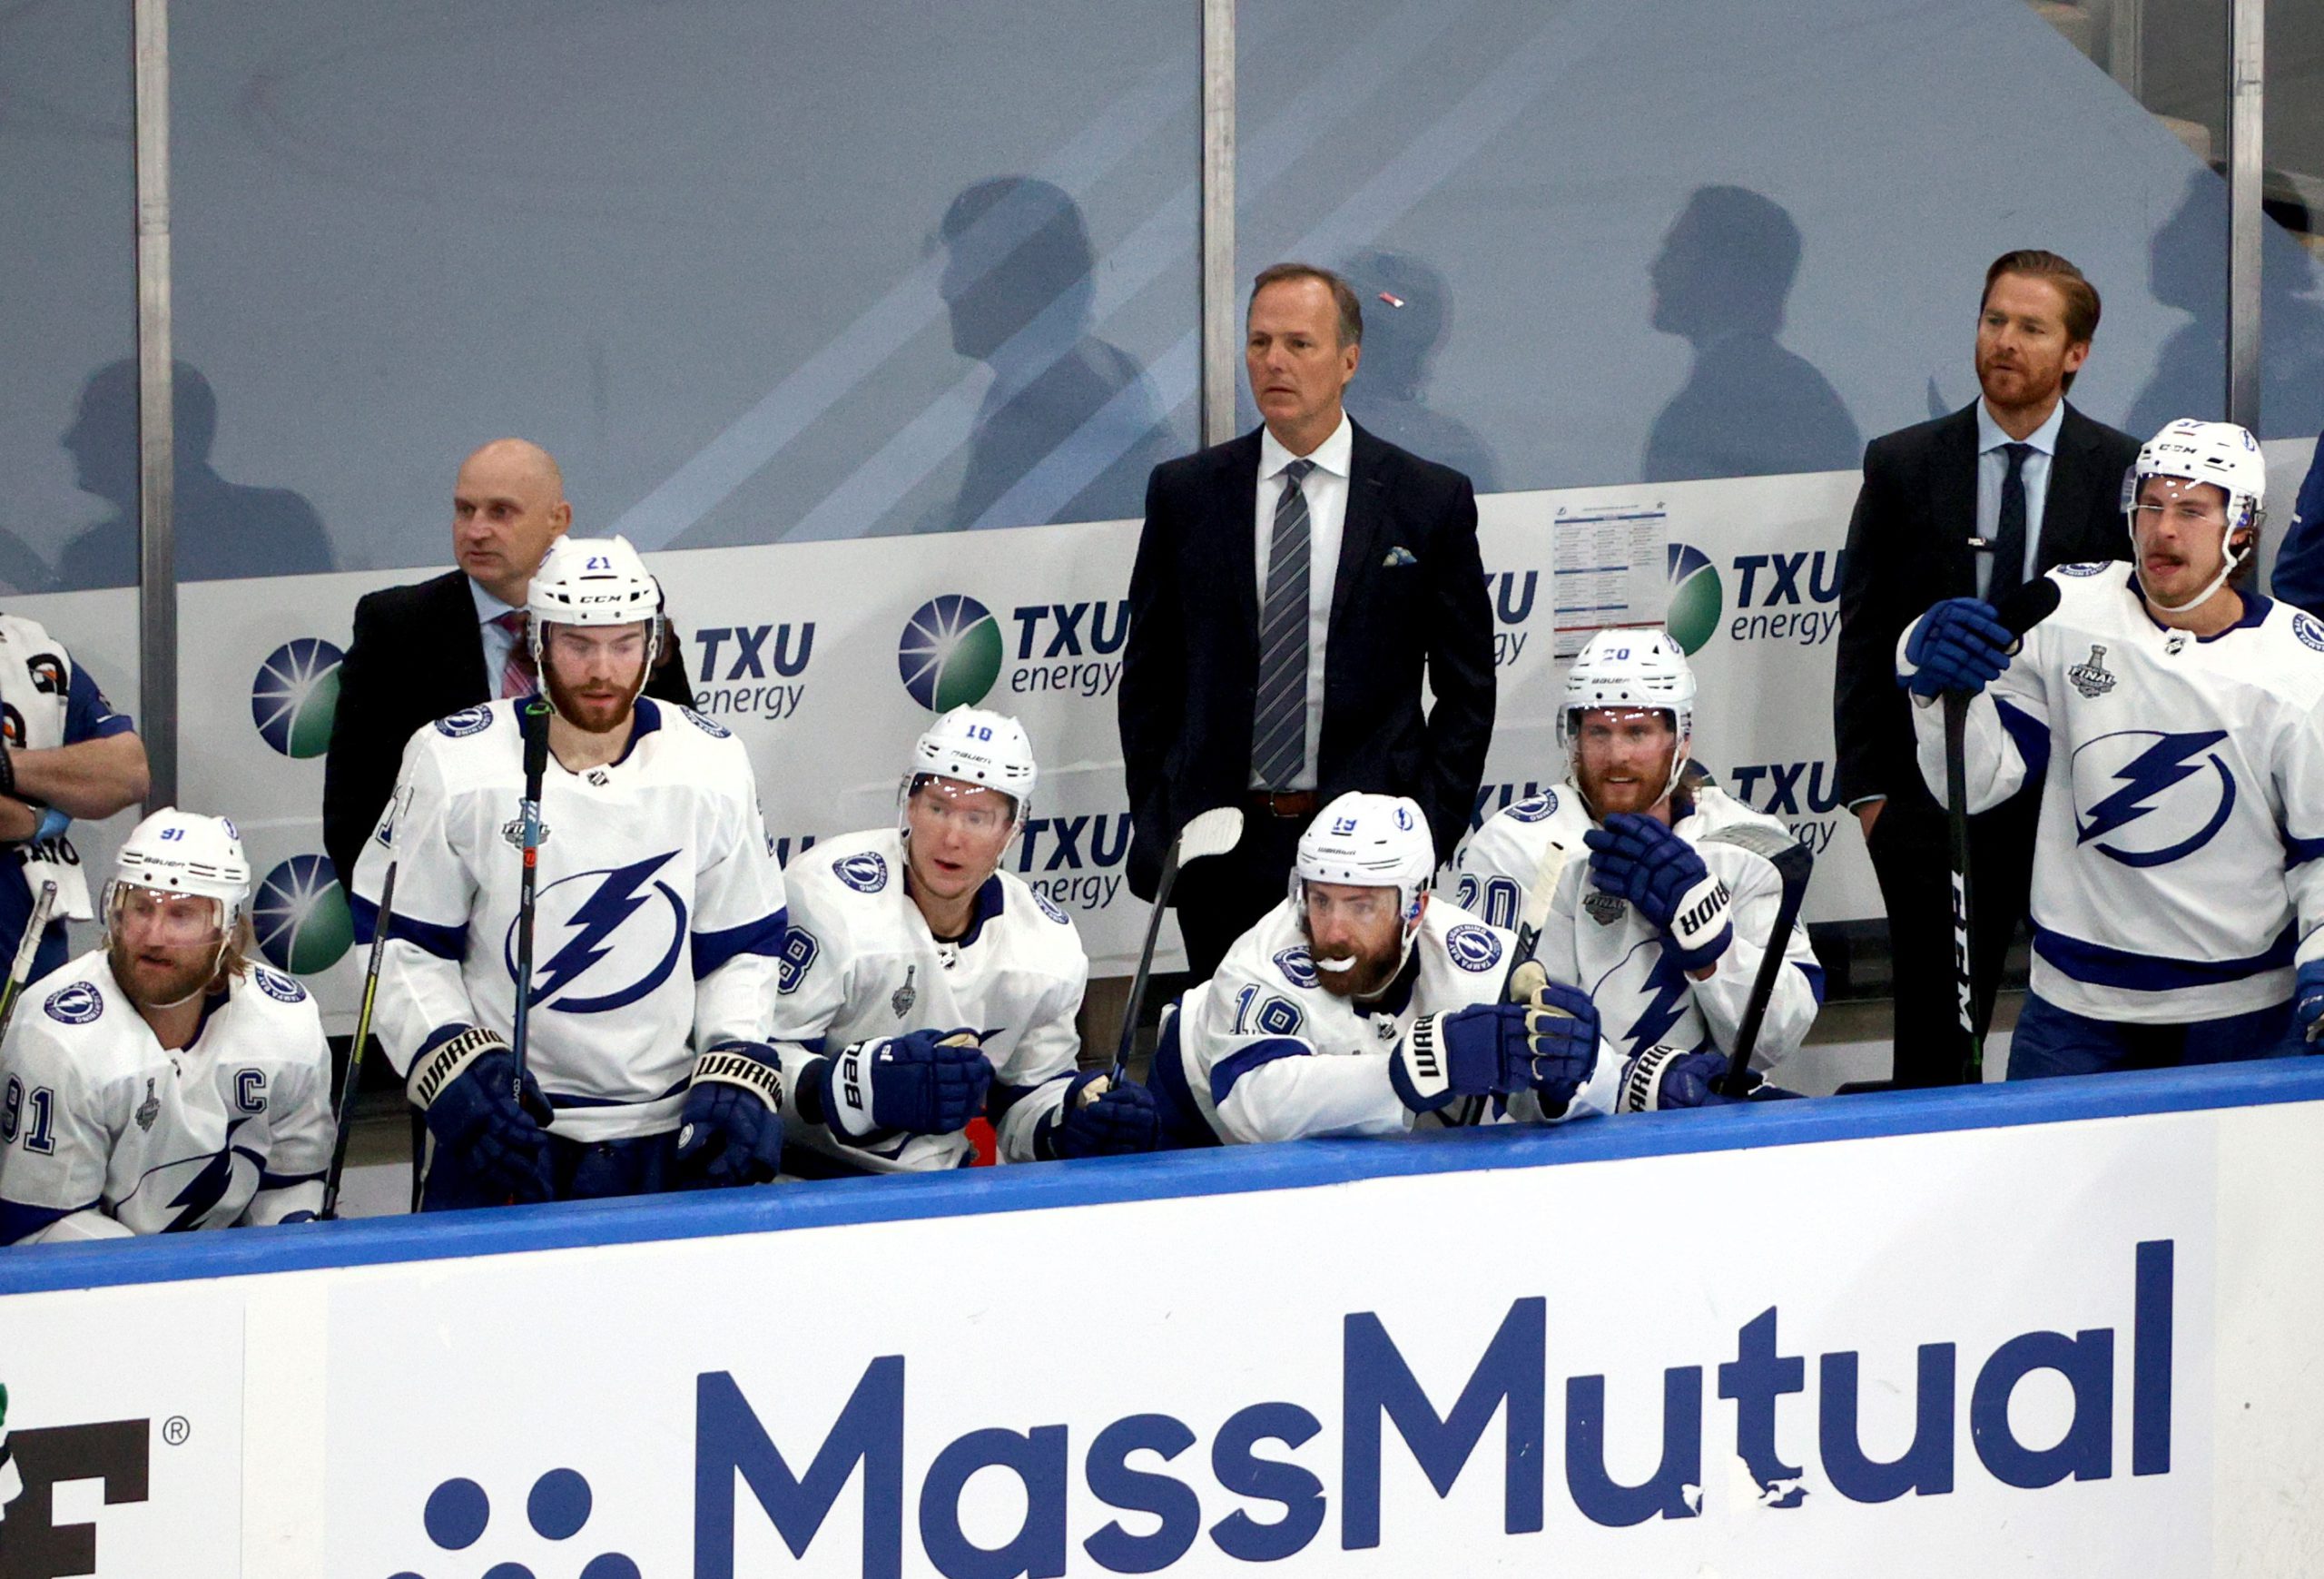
[
  {"x": 1351, "y": 311},
  {"x": 234, "y": 960},
  {"x": 2082, "y": 305}
]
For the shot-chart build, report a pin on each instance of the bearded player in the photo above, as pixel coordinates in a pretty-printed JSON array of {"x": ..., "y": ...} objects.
[
  {"x": 2174, "y": 717},
  {"x": 1363, "y": 1005},
  {"x": 924, "y": 987},
  {"x": 165, "y": 1081},
  {"x": 1663, "y": 926},
  {"x": 659, "y": 923}
]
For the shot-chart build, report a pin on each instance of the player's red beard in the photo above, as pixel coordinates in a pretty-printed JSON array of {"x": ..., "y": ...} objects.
[
  {"x": 596, "y": 708},
  {"x": 156, "y": 978},
  {"x": 1366, "y": 978}
]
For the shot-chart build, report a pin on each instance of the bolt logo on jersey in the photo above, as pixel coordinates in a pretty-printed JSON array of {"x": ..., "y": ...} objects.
[
  {"x": 76, "y": 1004},
  {"x": 1298, "y": 967},
  {"x": 295, "y": 695},
  {"x": 1538, "y": 808},
  {"x": 2310, "y": 633},
  {"x": 716, "y": 731},
  {"x": 949, "y": 655},
  {"x": 616, "y": 935},
  {"x": 282, "y": 988},
  {"x": 301, "y": 916},
  {"x": 466, "y": 721},
  {"x": 865, "y": 873},
  {"x": 2153, "y": 798},
  {"x": 1472, "y": 948},
  {"x": 1667, "y": 999}
]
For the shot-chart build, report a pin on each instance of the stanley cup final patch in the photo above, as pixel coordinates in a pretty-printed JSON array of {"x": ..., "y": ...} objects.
[{"x": 2092, "y": 677}]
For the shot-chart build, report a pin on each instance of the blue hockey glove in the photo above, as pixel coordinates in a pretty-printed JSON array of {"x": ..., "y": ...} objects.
[
  {"x": 1664, "y": 1077},
  {"x": 1469, "y": 1052},
  {"x": 2309, "y": 1000},
  {"x": 1637, "y": 858},
  {"x": 1961, "y": 644},
  {"x": 463, "y": 1081},
  {"x": 924, "y": 1082},
  {"x": 1118, "y": 1121},
  {"x": 730, "y": 1130},
  {"x": 1562, "y": 1036}
]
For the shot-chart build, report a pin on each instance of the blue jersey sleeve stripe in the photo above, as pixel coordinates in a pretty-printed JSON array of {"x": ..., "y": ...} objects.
[
  {"x": 17, "y": 1219},
  {"x": 87, "y": 715},
  {"x": 2030, "y": 736},
  {"x": 2102, "y": 966},
  {"x": 1174, "y": 1096},
  {"x": 2299, "y": 852},
  {"x": 1228, "y": 1070},
  {"x": 445, "y": 942},
  {"x": 763, "y": 936},
  {"x": 286, "y": 1180},
  {"x": 1815, "y": 974},
  {"x": 1000, "y": 1096}
]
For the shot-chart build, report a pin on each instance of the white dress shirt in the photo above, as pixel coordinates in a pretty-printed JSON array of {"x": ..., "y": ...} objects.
[
  {"x": 1992, "y": 468},
  {"x": 498, "y": 642},
  {"x": 1326, "y": 489}
]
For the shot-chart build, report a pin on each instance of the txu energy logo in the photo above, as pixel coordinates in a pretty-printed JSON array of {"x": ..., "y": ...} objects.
[
  {"x": 949, "y": 655},
  {"x": 301, "y": 916},
  {"x": 295, "y": 695},
  {"x": 1697, "y": 599}
]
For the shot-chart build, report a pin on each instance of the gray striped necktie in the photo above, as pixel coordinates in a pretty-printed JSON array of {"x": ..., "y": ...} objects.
[{"x": 1280, "y": 722}]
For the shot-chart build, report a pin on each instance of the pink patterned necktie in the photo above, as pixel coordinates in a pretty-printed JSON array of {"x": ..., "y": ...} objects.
[{"x": 518, "y": 676}]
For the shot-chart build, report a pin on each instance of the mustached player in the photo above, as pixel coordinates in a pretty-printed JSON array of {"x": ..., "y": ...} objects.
[
  {"x": 1363, "y": 1005},
  {"x": 923, "y": 987},
  {"x": 659, "y": 923},
  {"x": 165, "y": 1081},
  {"x": 2174, "y": 720},
  {"x": 1664, "y": 929}
]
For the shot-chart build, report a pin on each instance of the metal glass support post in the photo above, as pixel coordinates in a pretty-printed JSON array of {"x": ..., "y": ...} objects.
[
  {"x": 157, "y": 596},
  {"x": 1222, "y": 337},
  {"x": 2246, "y": 153}
]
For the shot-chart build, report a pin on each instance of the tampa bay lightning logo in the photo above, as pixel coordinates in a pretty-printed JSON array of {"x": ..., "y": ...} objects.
[
  {"x": 1472, "y": 948},
  {"x": 282, "y": 988},
  {"x": 2089, "y": 568},
  {"x": 2146, "y": 798},
  {"x": 716, "y": 731},
  {"x": 466, "y": 721},
  {"x": 865, "y": 873},
  {"x": 1538, "y": 808},
  {"x": 611, "y": 937},
  {"x": 1051, "y": 909},
  {"x": 1298, "y": 966},
  {"x": 75, "y": 1005},
  {"x": 2310, "y": 633}
]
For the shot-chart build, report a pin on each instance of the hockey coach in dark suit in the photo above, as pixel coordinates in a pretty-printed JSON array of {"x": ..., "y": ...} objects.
[
  {"x": 2042, "y": 483},
  {"x": 423, "y": 651},
  {"x": 1292, "y": 587}
]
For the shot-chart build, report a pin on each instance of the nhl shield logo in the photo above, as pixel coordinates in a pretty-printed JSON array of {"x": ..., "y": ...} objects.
[
  {"x": 2092, "y": 677},
  {"x": 149, "y": 1109},
  {"x": 1604, "y": 908},
  {"x": 904, "y": 997}
]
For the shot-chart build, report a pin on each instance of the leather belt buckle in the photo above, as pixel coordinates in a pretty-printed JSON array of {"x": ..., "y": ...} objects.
[{"x": 1285, "y": 803}]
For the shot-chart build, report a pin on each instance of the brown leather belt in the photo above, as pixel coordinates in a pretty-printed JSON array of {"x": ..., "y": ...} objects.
[{"x": 1285, "y": 803}]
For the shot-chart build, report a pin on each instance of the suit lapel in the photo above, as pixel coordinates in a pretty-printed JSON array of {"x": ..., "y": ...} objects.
[
  {"x": 2074, "y": 482},
  {"x": 1360, "y": 534},
  {"x": 464, "y": 639},
  {"x": 1953, "y": 498},
  {"x": 1232, "y": 529}
]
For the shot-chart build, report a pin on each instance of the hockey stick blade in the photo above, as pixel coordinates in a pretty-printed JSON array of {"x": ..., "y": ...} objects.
[{"x": 1212, "y": 832}]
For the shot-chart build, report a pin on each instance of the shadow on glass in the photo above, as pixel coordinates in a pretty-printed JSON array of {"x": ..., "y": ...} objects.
[{"x": 1407, "y": 318}]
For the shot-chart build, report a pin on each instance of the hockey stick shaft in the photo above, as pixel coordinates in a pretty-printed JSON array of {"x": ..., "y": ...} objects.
[
  {"x": 27, "y": 949},
  {"x": 533, "y": 727},
  {"x": 1763, "y": 984},
  {"x": 1957, "y": 834},
  {"x": 1211, "y": 833},
  {"x": 346, "y": 1115}
]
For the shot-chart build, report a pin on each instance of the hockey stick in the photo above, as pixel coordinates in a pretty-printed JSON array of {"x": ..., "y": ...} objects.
[
  {"x": 1530, "y": 922},
  {"x": 1793, "y": 864},
  {"x": 27, "y": 948},
  {"x": 355, "y": 1049},
  {"x": 1972, "y": 1058},
  {"x": 1213, "y": 833},
  {"x": 532, "y": 727}
]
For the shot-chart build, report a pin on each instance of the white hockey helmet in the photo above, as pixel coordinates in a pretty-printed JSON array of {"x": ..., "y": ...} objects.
[
  {"x": 1630, "y": 668},
  {"x": 175, "y": 851},
  {"x": 2219, "y": 453},
  {"x": 974, "y": 745},
  {"x": 595, "y": 581},
  {"x": 1369, "y": 841}
]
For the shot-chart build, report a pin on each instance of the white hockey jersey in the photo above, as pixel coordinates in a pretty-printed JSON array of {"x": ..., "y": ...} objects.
[
  {"x": 658, "y": 908},
  {"x": 1265, "y": 1054},
  {"x": 2176, "y": 871},
  {"x": 1602, "y": 945},
  {"x": 860, "y": 964},
  {"x": 104, "y": 1134}
]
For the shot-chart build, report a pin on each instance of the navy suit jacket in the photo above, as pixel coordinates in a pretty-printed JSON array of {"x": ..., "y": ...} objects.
[
  {"x": 1408, "y": 597},
  {"x": 1908, "y": 547},
  {"x": 418, "y": 654}
]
